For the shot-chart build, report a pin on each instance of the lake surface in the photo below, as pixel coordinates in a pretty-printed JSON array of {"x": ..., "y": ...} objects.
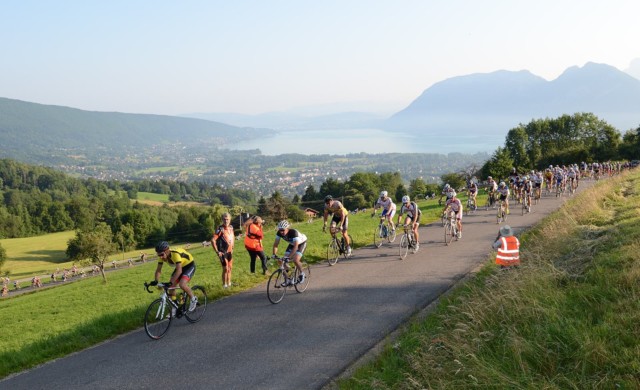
[{"x": 345, "y": 141}]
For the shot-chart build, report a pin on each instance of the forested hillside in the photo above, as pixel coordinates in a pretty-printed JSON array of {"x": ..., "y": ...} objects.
[{"x": 30, "y": 129}]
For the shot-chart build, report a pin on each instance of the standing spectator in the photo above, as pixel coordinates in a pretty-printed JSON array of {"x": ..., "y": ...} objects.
[
  {"x": 16, "y": 285},
  {"x": 222, "y": 243},
  {"x": 143, "y": 257},
  {"x": 5, "y": 290},
  {"x": 253, "y": 242},
  {"x": 508, "y": 248}
]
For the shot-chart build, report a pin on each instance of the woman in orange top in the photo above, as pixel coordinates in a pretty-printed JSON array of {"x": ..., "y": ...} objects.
[
  {"x": 222, "y": 244},
  {"x": 253, "y": 242}
]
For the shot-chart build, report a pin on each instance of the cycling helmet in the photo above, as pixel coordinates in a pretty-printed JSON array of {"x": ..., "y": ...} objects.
[
  {"x": 447, "y": 186},
  {"x": 489, "y": 177},
  {"x": 502, "y": 184},
  {"x": 384, "y": 194},
  {"x": 406, "y": 199},
  {"x": 451, "y": 195},
  {"x": 162, "y": 246},
  {"x": 328, "y": 198},
  {"x": 284, "y": 224}
]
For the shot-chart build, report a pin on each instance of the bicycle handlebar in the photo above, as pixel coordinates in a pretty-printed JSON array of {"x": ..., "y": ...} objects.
[{"x": 163, "y": 285}]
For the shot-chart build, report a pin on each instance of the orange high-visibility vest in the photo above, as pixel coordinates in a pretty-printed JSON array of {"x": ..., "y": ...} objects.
[{"x": 509, "y": 251}]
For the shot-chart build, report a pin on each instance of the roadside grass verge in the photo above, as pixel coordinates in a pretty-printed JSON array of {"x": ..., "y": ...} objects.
[{"x": 569, "y": 317}]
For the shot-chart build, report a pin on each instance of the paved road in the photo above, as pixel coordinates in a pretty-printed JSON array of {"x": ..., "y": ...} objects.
[{"x": 245, "y": 342}]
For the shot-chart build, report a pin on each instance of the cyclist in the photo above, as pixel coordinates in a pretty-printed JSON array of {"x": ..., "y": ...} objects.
[
  {"x": 527, "y": 189},
  {"x": 492, "y": 187},
  {"x": 340, "y": 219},
  {"x": 456, "y": 206},
  {"x": 472, "y": 188},
  {"x": 503, "y": 191},
  {"x": 536, "y": 178},
  {"x": 184, "y": 265},
  {"x": 445, "y": 190},
  {"x": 413, "y": 216},
  {"x": 297, "y": 244},
  {"x": 388, "y": 208}
]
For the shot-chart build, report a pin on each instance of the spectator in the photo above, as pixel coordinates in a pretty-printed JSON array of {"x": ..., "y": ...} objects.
[
  {"x": 5, "y": 290},
  {"x": 222, "y": 243},
  {"x": 143, "y": 257},
  {"x": 508, "y": 248},
  {"x": 253, "y": 243}
]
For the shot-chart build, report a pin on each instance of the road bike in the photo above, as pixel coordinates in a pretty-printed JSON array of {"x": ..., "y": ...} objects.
[
  {"x": 286, "y": 277},
  {"x": 471, "y": 206},
  {"x": 407, "y": 242},
  {"x": 337, "y": 247},
  {"x": 537, "y": 193},
  {"x": 163, "y": 310},
  {"x": 502, "y": 211},
  {"x": 491, "y": 200},
  {"x": 526, "y": 207},
  {"x": 383, "y": 232},
  {"x": 450, "y": 228}
]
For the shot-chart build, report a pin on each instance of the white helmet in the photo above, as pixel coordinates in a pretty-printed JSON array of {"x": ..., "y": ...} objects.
[
  {"x": 447, "y": 186},
  {"x": 406, "y": 199},
  {"x": 284, "y": 224},
  {"x": 502, "y": 184},
  {"x": 451, "y": 194},
  {"x": 384, "y": 194}
]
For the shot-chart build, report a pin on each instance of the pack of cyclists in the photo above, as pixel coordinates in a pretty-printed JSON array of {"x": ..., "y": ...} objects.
[{"x": 521, "y": 187}]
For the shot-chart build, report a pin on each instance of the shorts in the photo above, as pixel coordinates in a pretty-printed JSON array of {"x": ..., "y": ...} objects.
[
  {"x": 411, "y": 217},
  {"x": 538, "y": 185},
  {"x": 226, "y": 257},
  {"x": 503, "y": 197},
  {"x": 388, "y": 213},
  {"x": 336, "y": 220},
  {"x": 187, "y": 271},
  {"x": 301, "y": 248}
]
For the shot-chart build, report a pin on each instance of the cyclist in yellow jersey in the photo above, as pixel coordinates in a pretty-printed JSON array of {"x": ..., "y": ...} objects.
[
  {"x": 184, "y": 265},
  {"x": 340, "y": 218}
]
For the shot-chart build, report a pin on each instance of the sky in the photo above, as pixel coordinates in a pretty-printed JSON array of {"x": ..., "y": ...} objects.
[{"x": 257, "y": 56}]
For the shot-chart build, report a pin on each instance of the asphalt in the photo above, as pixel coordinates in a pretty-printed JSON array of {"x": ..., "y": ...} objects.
[{"x": 304, "y": 342}]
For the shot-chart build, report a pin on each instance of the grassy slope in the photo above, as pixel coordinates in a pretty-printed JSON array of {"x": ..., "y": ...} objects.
[{"x": 568, "y": 318}]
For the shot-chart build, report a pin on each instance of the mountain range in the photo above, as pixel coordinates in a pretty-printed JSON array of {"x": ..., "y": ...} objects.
[{"x": 495, "y": 102}]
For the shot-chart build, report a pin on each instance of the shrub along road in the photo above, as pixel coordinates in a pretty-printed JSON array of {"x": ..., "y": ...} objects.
[{"x": 245, "y": 342}]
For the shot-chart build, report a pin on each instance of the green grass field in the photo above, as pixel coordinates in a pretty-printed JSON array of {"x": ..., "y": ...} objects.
[{"x": 153, "y": 197}]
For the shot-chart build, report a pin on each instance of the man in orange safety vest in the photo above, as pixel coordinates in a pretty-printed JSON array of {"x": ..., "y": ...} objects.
[{"x": 508, "y": 248}]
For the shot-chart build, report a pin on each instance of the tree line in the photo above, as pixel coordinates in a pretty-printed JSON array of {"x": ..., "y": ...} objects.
[{"x": 561, "y": 141}]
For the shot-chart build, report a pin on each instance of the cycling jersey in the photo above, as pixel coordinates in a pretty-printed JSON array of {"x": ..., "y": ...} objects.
[
  {"x": 176, "y": 256},
  {"x": 387, "y": 204},
  {"x": 337, "y": 209},
  {"x": 411, "y": 210},
  {"x": 455, "y": 204},
  {"x": 292, "y": 236}
]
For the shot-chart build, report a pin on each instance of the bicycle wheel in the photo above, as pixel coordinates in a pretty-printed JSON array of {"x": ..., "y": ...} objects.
[
  {"x": 300, "y": 287},
  {"x": 275, "y": 291},
  {"x": 414, "y": 243},
  {"x": 524, "y": 206},
  {"x": 444, "y": 219},
  {"x": 378, "y": 236},
  {"x": 404, "y": 246},
  {"x": 201, "y": 307},
  {"x": 157, "y": 319},
  {"x": 391, "y": 235},
  {"x": 448, "y": 233},
  {"x": 333, "y": 252}
]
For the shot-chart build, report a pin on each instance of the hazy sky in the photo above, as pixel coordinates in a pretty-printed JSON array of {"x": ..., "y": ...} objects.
[{"x": 172, "y": 57}]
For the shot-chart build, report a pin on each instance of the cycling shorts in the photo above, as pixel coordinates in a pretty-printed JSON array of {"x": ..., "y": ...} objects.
[
  {"x": 187, "y": 271},
  {"x": 301, "y": 248},
  {"x": 336, "y": 220},
  {"x": 388, "y": 213}
]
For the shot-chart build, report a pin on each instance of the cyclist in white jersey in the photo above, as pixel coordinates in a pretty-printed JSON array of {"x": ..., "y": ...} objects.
[{"x": 388, "y": 208}]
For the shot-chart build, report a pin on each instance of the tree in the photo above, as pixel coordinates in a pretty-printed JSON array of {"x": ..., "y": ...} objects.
[
  {"x": 3, "y": 257},
  {"x": 499, "y": 165},
  {"x": 94, "y": 245},
  {"x": 417, "y": 188},
  {"x": 455, "y": 180},
  {"x": 400, "y": 192}
]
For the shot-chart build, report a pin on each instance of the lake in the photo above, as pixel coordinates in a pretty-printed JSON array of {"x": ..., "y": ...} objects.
[{"x": 344, "y": 141}]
